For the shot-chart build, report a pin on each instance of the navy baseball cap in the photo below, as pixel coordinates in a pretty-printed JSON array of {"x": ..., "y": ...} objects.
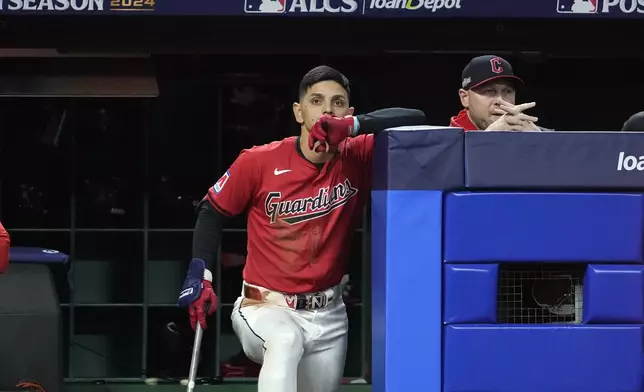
[{"x": 483, "y": 69}]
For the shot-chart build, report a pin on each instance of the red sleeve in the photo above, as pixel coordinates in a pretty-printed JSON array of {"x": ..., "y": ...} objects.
[
  {"x": 234, "y": 191},
  {"x": 4, "y": 249},
  {"x": 363, "y": 147}
]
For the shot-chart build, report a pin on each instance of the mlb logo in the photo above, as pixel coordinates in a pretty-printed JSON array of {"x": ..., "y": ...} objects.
[
  {"x": 219, "y": 185},
  {"x": 577, "y": 6},
  {"x": 265, "y": 6}
]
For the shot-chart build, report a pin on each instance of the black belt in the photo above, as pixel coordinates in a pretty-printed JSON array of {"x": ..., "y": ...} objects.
[{"x": 311, "y": 301}]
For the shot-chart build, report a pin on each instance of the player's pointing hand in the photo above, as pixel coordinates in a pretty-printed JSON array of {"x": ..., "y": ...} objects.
[
  {"x": 516, "y": 109},
  {"x": 512, "y": 117}
]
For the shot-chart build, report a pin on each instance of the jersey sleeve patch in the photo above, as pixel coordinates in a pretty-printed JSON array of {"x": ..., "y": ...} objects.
[{"x": 219, "y": 185}]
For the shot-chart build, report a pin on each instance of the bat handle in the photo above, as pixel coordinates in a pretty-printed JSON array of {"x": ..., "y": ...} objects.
[{"x": 194, "y": 362}]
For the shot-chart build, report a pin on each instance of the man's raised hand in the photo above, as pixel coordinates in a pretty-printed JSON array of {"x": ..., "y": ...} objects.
[{"x": 330, "y": 131}]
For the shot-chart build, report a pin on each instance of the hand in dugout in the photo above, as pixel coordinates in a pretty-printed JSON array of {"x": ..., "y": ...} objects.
[
  {"x": 330, "y": 130},
  {"x": 513, "y": 119},
  {"x": 197, "y": 293}
]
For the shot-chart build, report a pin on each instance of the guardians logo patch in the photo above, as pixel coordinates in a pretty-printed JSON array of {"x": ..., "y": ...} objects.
[{"x": 305, "y": 209}]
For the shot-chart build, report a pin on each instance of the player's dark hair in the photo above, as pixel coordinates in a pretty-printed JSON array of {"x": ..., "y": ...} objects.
[{"x": 323, "y": 73}]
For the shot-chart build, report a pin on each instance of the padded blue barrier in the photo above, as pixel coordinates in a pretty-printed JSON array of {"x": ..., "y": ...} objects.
[
  {"x": 543, "y": 359},
  {"x": 419, "y": 158},
  {"x": 554, "y": 160},
  {"x": 406, "y": 290},
  {"x": 614, "y": 294},
  {"x": 411, "y": 167},
  {"x": 470, "y": 293},
  {"x": 543, "y": 227}
]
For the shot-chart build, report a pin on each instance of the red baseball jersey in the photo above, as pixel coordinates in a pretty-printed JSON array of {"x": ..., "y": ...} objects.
[
  {"x": 301, "y": 217},
  {"x": 463, "y": 120},
  {"x": 4, "y": 249}
]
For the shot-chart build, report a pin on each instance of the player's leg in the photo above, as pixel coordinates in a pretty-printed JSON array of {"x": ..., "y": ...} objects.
[
  {"x": 270, "y": 336},
  {"x": 322, "y": 367}
]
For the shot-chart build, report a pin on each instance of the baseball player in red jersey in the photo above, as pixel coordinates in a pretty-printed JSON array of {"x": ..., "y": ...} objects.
[
  {"x": 488, "y": 94},
  {"x": 303, "y": 201},
  {"x": 4, "y": 248}
]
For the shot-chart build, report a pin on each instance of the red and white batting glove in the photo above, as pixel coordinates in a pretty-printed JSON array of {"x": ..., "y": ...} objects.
[
  {"x": 329, "y": 130},
  {"x": 197, "y": 293},
  {"x": 203, "y": 306}
]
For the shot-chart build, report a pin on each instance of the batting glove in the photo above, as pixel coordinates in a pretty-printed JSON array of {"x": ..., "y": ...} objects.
[
  {"x": 197, "y": 293},
  {"x": 332, "y": 131}
]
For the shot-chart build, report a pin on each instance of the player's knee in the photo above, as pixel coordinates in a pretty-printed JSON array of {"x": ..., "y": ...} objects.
[
  {"x": 287, "y": 340},
  {"x": 284, "y": 349}
]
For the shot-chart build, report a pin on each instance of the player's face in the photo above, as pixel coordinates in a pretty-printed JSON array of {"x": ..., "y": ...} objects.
[
  {"x": 326, "y": 97},
  {"x": 481, "y": 101}
]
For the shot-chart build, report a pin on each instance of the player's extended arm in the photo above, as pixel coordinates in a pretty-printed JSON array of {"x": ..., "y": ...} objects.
[
  {"x": 197, "y": 292},
  {"x": 230, "y": 196},
  {"x": 382, "y": 119},
  {"x": 4, "y": 249},
  {"x": 333, "y": 130}
]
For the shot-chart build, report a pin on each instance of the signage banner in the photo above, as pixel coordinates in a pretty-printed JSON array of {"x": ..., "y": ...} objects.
[
  {"x": 554, "y": 160},
  {"x": 351, "y": 8}
]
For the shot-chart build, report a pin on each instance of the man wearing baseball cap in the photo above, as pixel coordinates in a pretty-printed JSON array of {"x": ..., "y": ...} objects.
[{"x": 488, "y": 94}]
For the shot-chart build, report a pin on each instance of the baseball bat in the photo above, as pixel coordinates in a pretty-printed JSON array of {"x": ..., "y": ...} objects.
[
  {"x": 194, "y": 362},
  {"x": 196, "y": 348}
]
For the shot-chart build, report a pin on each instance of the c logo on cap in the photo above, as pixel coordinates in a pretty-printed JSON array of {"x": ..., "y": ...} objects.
[{"x": 497, "y": 65}]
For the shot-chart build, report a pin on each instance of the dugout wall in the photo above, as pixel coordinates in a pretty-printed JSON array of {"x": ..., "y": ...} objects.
[{"x": 507, "y": 262}]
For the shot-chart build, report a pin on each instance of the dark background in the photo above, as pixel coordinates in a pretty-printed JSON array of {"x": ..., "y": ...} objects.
[{"x": 117, "y": 189}]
